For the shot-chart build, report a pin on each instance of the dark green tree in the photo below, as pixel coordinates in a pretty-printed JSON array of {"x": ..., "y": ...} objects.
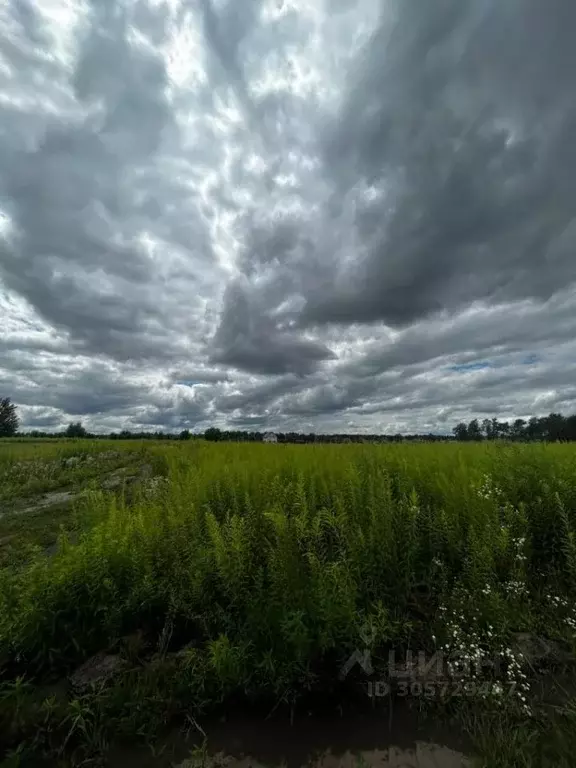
[
  {"x": 534, "y": 429},
  {"x": 184, "y": 435},
  {"x": 518, "y": 429},
  {"x": 474, "y": 431},
  {"x": 554, "y": 427},
  {"x": 461, "y": 431},
  {"x": 75, "y": 430},
  {"x": 213, "y": 434},
  {"x": 9, "y": 420}
]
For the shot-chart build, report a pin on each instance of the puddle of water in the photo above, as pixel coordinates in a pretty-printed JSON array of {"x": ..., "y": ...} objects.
[
  {"x": 351, "y": 740},
  {"x": 423, "y": 755}
]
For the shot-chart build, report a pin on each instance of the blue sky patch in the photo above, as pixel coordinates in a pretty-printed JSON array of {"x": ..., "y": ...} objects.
[
  {"x": 471, "y": 367},
  {"x": 531, "y": 359}
]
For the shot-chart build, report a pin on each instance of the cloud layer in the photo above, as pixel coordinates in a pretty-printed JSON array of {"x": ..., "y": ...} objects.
[{"x": 337, "y": 215}]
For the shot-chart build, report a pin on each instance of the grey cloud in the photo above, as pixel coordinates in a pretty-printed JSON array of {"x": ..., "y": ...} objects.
[
  {"x": 509, "y": 393},
  {"x": 100, "y": 394},
  {"x": 506, "y": 329},
  {"x": 251, "y": 342},
  {"x": 225, "y": 32},
  {"x": 461, "y": 113},
  {"x": 199, "y": 376},
  {"x": 95, "y": 390},
  {"x": 74, "y": 205},
  {"x": 188, "y": 416},
  {"x": 41, "y": 418},
  {"x": 308, "y": 230},
  {"x": 329, "y": 398},
  {"x": 261, "y": 395},
  {"x": 418, "y": 373}
]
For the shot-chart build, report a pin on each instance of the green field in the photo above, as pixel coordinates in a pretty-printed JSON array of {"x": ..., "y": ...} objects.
[{"x": 225, "y": 576}]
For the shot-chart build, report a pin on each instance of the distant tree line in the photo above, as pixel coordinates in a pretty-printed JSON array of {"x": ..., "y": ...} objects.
[
  {"x": 76, "y": 430},
  {"x": 213, "y": 434},
  {"x": 552, "y": 428}
]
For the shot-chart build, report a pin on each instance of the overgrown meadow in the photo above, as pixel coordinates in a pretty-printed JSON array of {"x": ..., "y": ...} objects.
[{"x": 248, "y": 574}]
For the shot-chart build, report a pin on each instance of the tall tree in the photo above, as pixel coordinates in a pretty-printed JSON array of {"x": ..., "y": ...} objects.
[
  {"x": 555, "y": 427},
  {"x": 9, "y": 420},
  {"x": 474, "y": 431},
  {"x": 461, "y": 431},
  {"x": 75, "y": 430},
  {"x": 518, "y": 429},
  {"x": 534, "y": 428}
]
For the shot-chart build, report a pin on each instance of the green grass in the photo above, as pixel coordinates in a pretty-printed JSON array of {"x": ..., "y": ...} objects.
[{"x": 252, "y": 573}]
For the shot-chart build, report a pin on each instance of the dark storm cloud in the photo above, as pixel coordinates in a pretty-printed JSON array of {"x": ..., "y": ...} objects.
[
  {"x": 463, "y": 115},
  {"x": 251, "y": 342}
]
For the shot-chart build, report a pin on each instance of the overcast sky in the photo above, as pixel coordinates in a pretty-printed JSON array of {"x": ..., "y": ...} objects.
[{"x": 327, "y": 215}]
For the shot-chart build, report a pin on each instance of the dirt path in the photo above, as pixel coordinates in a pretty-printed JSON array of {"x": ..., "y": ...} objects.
[
  {"x": 110, "y": 481},
  {"x": 29, "y": 522}
]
